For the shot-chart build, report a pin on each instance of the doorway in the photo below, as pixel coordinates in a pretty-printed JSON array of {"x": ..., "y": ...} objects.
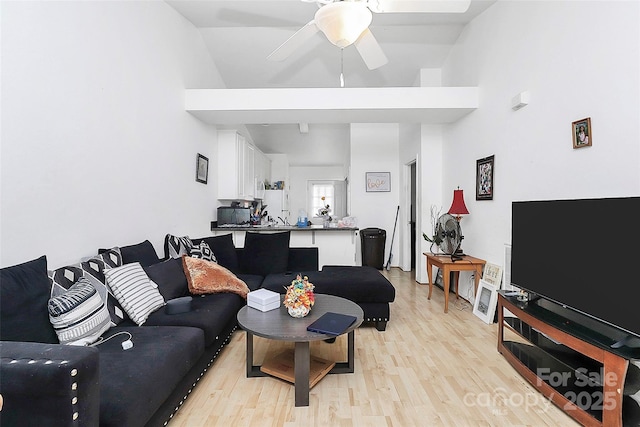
[
  {"x": 412, "y": 213},
  {"x": 410, "y": 216}
]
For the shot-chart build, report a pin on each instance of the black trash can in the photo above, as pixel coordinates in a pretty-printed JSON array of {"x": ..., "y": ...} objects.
[{"x": 372, "y": 242}]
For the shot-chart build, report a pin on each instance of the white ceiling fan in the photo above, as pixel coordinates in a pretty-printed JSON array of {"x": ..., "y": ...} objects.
[{"x": 346, "y": 22}]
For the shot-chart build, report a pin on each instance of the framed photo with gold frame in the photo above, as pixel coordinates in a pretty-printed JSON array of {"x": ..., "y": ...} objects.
[{"x": 582, "y": 134}]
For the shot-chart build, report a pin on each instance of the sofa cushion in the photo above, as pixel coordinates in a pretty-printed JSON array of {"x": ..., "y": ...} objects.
[
  {"x": 202, "y": 251},
  {"x": 170, "y": 278},
  {"x": 355, "y": 283},
  {"x": 206, "y": 277},
  {"x": 224, "y": 250},
  {"x": 136, "y": 382},
  {"x": 265, "y": 253},
  {"x": 211, "y": 313},
  {"x": 175, "y": 247},
  {"x": 253, "y": 281},
  {"x": 138, "y": 295},
  {"x": 142, "y": 252},
  {"x": 303, "y": 259},
  {"x": 78, "y": 315},
  {"x": 24, "y": 293}
]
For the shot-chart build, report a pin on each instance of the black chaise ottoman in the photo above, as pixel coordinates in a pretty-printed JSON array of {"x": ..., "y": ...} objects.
[{"x": 365, "y": 286}]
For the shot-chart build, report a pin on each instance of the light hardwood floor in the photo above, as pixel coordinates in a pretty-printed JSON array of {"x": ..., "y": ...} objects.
[{"x": 427, "y": 369}]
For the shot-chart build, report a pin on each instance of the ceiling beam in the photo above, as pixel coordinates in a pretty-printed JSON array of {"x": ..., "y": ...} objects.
[{"x": 332, "y": 105}]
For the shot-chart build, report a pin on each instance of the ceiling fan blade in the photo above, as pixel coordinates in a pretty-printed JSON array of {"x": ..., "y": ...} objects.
[
  {"x": 370, "y": 50},
  {"x": 299, "y": 38},
  {"x": 419, "y": 6}
]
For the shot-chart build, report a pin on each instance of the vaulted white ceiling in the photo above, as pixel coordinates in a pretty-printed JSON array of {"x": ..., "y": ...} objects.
[{"x": 240, "y": 34}]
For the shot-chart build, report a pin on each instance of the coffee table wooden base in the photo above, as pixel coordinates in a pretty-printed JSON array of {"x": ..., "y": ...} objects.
[
  {"x": 279, "y": 326},
  {"x": 282, "y": 366},
  {"x": 302, "y": 360}
]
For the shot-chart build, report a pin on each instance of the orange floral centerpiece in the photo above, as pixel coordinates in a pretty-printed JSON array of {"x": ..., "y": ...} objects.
[{"x": 299, "y": 297}]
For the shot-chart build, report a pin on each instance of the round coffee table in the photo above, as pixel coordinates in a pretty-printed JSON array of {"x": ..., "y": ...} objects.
[{"x": 279, "y": 325}]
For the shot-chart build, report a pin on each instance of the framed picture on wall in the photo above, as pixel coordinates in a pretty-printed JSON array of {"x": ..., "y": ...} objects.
[
  {"x": 378, "y": 181},
  {"x": 202, "y": 168},
  {"x": 582, "y": 136},
  {"x": 484, "y": 178}
]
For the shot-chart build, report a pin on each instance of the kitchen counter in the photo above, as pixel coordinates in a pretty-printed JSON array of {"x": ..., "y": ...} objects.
[
  {"x": 267, "y": 228},
  {"x": 336, "y": 246}
]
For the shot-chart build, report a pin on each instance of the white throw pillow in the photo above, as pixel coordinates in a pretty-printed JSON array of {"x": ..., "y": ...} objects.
[
  {"x": 138, "y": 295},
  {"x": 78, "y": 315}
]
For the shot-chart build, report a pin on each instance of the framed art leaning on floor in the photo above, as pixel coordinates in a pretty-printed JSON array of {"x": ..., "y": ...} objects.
[{"x": 486, "y": 300}]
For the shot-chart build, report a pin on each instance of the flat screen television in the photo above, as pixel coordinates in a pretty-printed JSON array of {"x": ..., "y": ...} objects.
[{"x": 583, "y": 254}]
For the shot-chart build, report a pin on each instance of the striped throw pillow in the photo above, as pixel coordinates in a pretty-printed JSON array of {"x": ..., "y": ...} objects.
[
  {"x": 78, "y": 315},
  {"x": 137, "y": 294}
]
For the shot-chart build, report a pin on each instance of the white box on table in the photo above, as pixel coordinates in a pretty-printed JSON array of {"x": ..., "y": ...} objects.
[{"x": 263, "y": 300}]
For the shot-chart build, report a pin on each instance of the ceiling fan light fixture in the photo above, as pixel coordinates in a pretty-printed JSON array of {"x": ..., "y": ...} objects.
[{"x": 343, "y": 22}]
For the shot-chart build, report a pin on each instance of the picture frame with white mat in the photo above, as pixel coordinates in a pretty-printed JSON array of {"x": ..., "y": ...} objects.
[
  {"x": 486, "y": 300},
  {"x": 484, "y": 305},
  {"x": 493, "y": 274}
]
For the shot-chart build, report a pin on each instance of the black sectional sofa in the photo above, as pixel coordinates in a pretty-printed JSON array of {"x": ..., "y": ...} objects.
[{"x": 45, "y": 383}]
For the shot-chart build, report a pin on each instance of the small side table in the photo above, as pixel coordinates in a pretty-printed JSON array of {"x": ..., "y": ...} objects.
[{"x": 447, "y": 265}]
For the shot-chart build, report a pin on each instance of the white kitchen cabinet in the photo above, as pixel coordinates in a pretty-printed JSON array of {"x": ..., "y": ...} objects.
[
  {"x": 248, "y": 183},
  {"x": 236, "y": 179}
]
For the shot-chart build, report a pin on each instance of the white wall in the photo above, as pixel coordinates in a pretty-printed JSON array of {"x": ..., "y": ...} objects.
[
  {"x": 577, "y": 60},
  {"x": 409, "y": 152},
  {"x": 279, "y": 168},
  {"x": 430, "y": 192},
  {"x": 97, "y": 149},
  {"x": 375, "y": 148}
]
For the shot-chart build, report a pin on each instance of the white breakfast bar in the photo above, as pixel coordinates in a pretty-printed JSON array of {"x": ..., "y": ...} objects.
[{"x": 336, "y": 246}]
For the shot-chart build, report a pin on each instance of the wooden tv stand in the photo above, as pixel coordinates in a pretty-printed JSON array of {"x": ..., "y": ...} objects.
[{"x": 566, "y": 358}]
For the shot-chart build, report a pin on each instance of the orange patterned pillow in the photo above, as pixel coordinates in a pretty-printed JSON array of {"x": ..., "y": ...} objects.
[{"x": 207, "y": 277}]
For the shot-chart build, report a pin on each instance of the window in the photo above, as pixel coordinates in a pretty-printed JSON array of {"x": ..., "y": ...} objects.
[{"x": 334, "y": 193}]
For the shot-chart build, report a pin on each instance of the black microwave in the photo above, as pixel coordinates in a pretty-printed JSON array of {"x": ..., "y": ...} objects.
[{"x": 233, "y": 215}]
